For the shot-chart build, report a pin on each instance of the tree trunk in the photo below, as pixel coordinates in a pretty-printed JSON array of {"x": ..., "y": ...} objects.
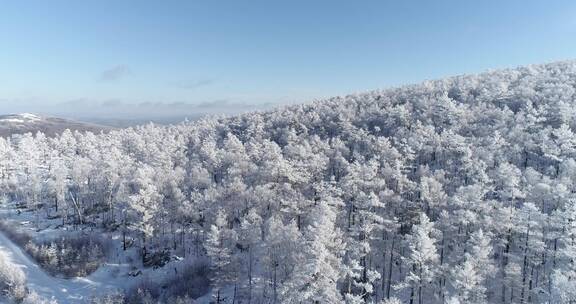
[
  {"x": 250, "y": 274},
  {"x": 77, "y": 208},
  {"x": 504, "y": 263},
  {"x": 389, "y": 283},
  {"x": 440, "y": 291},
  {"x": 530, "y": 284},
  {"x": 420, "y": 287},
  {"x": 124, "y": 231},
  {"x": 275, "y": 283},
  {"x": 144, "y": 252},
  {"x": 525, "y": 264}
]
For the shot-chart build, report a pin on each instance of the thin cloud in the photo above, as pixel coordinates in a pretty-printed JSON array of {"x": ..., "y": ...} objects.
[
  {"x": 195, "y": 84},
  {"x": 112, "y": 103},
  {"x": 79, "y": 102},
  {"x": 214, "y": 104},
  {"x": 150, "y": 109},
  {"x": 115, "y": 73}
]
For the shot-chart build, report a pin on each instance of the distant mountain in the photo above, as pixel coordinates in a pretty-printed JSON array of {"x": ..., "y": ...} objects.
[
  {"x": 132, "y": 122},
  {"x": 26, "y": 122}
]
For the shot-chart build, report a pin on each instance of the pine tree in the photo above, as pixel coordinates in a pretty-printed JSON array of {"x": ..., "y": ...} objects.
[
  {"x": 250, "y": 236},
  {"x": 316, "y": 278},
  {"x": 469, "y": 278},
  {"x": 145, "y": 203},
  {"x": 564, "y": 277},
  {"x": 422, "y": 258},
  {"x": 218, "y": 249},
  {"x": 283, "y": 252}
]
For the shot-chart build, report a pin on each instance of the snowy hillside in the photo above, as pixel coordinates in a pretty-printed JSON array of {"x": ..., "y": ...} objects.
[
  {"x": 26, "y": 122},
  {"x": 461, "y": 190}
]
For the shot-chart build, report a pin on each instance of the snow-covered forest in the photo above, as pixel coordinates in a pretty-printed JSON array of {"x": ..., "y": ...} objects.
[{"x": 460, "y": 190}]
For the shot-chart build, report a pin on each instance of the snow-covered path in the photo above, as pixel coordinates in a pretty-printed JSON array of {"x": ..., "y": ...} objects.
[{"x": 77, "y": 290}]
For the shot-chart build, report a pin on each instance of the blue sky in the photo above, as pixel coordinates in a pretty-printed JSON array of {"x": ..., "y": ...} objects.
[{"x": 102, "y": 57}]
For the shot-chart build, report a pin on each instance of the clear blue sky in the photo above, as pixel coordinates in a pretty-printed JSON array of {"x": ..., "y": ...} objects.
[{"x": 57, "y": 55}]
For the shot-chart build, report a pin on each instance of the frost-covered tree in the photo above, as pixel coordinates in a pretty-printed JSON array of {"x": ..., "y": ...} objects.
[
  {"x": 422, "y": 258},
  {"x": 283, "y": 252},
  {"x": 315, "y": 278},
  {"x": 218, "y": 248},
  {"x": 470, "y": 277},
  {"x": 563, "y": 287},
  {"x": 145, "y": 203},
  {"x": 249, "y": 237}
]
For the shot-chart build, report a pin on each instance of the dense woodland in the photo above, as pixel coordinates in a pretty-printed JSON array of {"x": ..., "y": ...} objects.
[{"x": 459, "y": 190}]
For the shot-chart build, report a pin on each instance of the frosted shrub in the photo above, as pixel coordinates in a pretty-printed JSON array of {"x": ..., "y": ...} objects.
[
  {"x": 70, "y": 257},
  {"x": 114, "y": 298},
  {"x": 12, "y": 278},
  {"x": 34, "y": 298}
]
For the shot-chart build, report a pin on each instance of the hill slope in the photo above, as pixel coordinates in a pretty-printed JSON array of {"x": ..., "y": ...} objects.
[
  {"x": 26, "y": 122},
  {"x": 459, "y": 190}
]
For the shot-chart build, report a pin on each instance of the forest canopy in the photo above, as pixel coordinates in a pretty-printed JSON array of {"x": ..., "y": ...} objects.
[{"x": 460, "y": 190}]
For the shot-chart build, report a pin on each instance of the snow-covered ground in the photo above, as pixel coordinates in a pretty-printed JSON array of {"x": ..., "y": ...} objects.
[
  {"x": 110, "y": 277},
  {"x": 27, "y": 122},
  {"x": 77, "y": 290}
]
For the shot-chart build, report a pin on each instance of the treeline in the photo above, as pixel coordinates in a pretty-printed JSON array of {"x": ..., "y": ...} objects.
[{"x": 453, "y": 191}]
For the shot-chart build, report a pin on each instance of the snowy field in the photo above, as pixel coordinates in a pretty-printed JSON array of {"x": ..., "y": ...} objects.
[
  {"x": 77, "y": 290},
  {"x": 110, "y": 278}
]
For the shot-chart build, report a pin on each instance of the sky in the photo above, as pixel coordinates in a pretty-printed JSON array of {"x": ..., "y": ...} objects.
[{"x": 131, "y": 59}]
